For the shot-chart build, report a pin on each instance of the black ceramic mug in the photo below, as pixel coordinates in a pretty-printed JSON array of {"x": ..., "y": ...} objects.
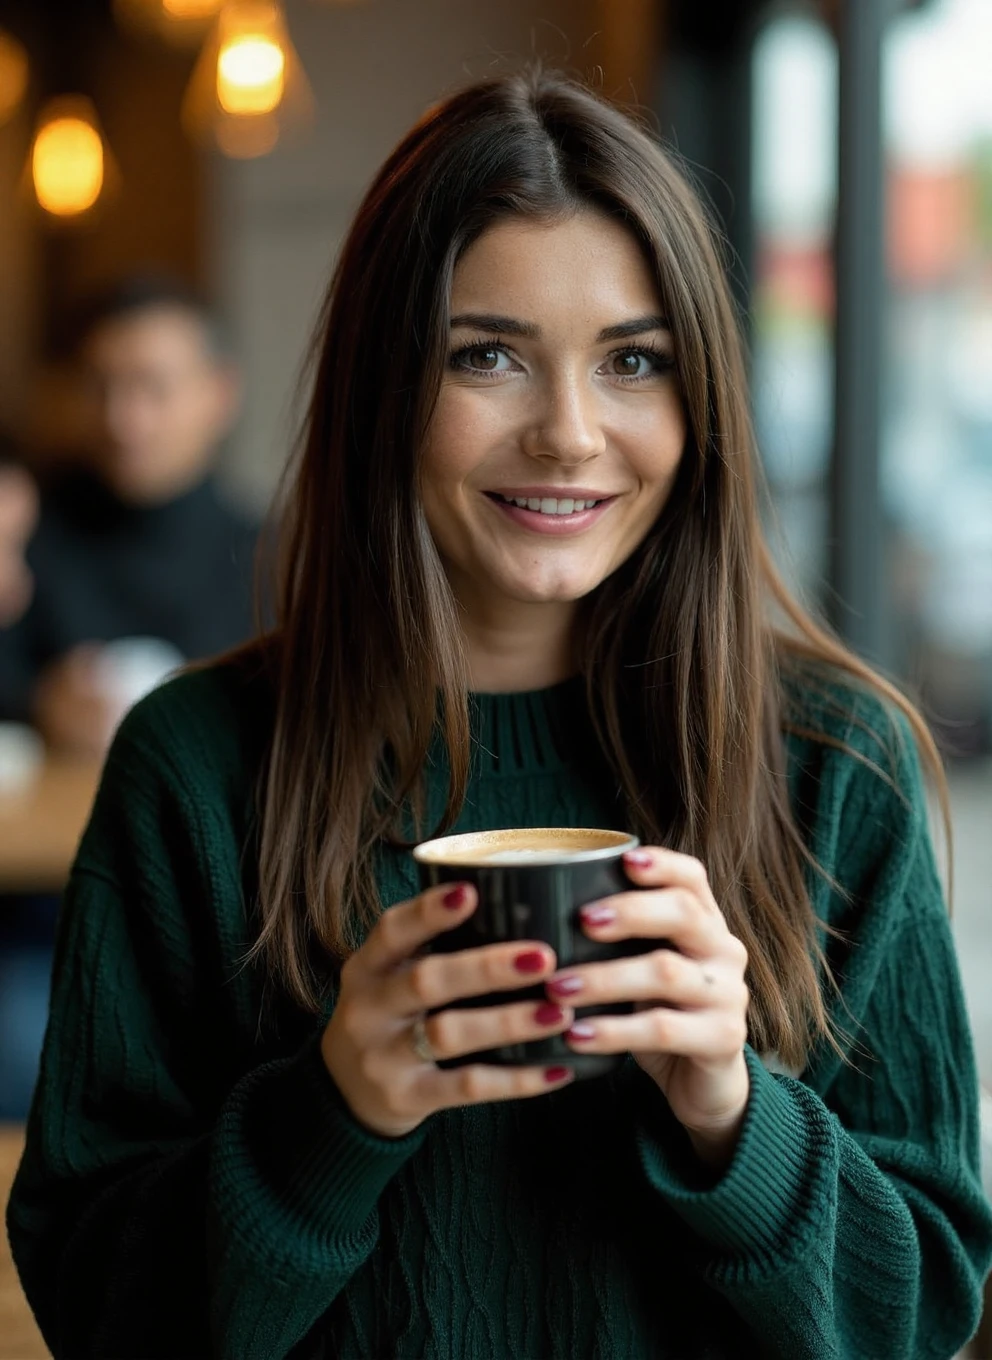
[{"x": 531, "y": 885}]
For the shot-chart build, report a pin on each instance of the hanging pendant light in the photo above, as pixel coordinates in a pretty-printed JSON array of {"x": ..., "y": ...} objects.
[
  {"x": 249, "y": 87},
  {"x": 68, "y": 160},
  {"x": 13, "y": 75}
]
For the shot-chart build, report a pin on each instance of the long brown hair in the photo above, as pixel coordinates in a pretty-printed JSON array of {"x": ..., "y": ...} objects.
[{"x": 682, "y": 660}]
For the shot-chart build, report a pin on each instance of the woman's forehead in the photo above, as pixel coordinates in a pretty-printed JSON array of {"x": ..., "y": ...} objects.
[{"x": 585, "y": 264}]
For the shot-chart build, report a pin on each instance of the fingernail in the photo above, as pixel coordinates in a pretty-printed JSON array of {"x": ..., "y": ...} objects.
[
  {"x": 598, "y": 916},
  {"x": 557, "y": 1074},
  {"x": 581, "y": 1031},
  {"x": 565, "y": 986},
  {"x": 547, "y": 1013},
  {"x": 455, "y": 897},
  {"x": 638, "y": 859},
  {"x": 530, "y": 961}
]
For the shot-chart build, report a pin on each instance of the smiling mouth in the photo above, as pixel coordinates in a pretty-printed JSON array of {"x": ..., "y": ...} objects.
[{"x": 547, "y": 505}]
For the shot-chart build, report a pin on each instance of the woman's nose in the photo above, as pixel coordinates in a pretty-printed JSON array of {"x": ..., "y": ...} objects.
[{"x": 566, "y": 425}]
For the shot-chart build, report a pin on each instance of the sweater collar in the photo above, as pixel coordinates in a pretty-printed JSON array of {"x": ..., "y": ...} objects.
[{"x": 529, "y": 731}]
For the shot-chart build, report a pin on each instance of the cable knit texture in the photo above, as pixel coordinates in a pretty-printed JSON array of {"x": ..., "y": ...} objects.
[{"x": 194, "y": 1184}]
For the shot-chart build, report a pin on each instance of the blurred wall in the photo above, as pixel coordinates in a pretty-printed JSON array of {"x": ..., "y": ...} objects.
[
  {"x": 19, "y": 274},
  {"x": 374, "y": 68}
]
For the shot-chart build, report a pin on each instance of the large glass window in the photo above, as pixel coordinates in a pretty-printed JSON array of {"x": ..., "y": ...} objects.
[
  {"x": 794, "y": 182},
  {"x": 937, "y": 433},
  {"x": 937, "y": 443}
]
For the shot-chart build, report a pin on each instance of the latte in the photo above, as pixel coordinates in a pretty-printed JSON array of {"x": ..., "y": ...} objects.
[{"x": 525, "y": 846}]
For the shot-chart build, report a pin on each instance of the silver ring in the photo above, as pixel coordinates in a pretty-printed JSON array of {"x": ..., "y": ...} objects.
[{"x": 419, "y": 1041}]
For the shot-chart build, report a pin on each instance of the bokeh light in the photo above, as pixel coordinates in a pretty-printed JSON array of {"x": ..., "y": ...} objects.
[
  {"x": 67, "y": 162},
  {"x": 251, "y": 74}
]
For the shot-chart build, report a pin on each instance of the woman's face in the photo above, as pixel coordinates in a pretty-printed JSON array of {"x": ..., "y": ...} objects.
[{"x": 559, "y": 427}]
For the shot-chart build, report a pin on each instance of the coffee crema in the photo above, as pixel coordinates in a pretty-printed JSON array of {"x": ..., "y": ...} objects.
[{"x": 525, "y": 846}]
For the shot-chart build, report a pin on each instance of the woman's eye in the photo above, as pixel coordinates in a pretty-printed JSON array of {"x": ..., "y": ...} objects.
[
  {"x": 482, "y": 359},
  {"x": 635, "y": 363}
]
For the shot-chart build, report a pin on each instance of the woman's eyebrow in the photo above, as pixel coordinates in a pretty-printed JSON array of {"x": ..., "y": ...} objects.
[
  {"x": 640, "y": 325},
  {"x": 508, "y": 325},
  {"x": 498, "y": 325}
]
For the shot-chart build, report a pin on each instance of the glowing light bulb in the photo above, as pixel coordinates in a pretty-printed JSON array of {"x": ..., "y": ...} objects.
[
  {"x": 251, "y": 74},
  {"x": 13, "y": 75},
  {"x": 67, "y": 165}
]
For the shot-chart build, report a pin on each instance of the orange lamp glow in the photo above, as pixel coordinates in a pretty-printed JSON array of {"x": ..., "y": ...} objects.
[
  {"x": 13, "y": 75},
  {"x": 251, "y": 74},
  {"x": 67, "y": 158},
  {"x": 191, "y": 9},
  {"x": 248, "y": 88}
]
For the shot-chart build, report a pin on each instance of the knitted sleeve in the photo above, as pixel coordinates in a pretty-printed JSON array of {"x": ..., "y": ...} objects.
[
  {"x": 851, "y": 1222},
  {"x": 159, "y": 1212}
]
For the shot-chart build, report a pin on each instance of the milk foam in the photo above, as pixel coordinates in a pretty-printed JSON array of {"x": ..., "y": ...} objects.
[{"x": 547, "y": 853}]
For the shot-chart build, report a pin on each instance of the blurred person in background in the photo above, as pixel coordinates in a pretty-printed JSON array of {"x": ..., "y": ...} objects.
[
  {"x": 136, "y": 547},
  {"x": 18, "y": 517},
  {"x": 136, "y": 564}
]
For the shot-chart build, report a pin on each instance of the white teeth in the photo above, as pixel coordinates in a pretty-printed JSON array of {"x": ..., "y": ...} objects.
[{"x": 549, "y": 505}]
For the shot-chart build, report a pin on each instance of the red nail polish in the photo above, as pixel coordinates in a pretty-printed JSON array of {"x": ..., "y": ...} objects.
[
  {"x": 565, "y": 986},
  {"x": 455, "y": 897},
  {"x": 639, "y": 859},
  {"x": 598, "y": 916},
  {"x": 581, "y": 1031},
  {"x": 547, "y": 1013},
  {"x": 530, "y": 961},
  {"x": 556, "y": 1074}
]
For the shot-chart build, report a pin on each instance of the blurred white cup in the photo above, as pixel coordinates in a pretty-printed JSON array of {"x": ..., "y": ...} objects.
[
  {"x": 130, "y": 668},
  {"x": 22, "y": 752}
]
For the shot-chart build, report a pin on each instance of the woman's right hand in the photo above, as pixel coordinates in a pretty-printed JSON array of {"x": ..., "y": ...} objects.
[{"x": 389, "y": 985}]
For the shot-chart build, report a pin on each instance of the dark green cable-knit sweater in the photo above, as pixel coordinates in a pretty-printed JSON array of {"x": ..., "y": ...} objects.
[{"x": 193, "y": 1184}]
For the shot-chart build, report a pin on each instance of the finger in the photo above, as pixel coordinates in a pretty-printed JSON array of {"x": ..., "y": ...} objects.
[
  {"x": 703, "y": 1035},
  {"x": 653, "y": 866},
  {"x": 480, "y": 1083},
  {"x": 454, "y": 1033},
  {"x": 673, "y": 914},
  {"x": 664, "y": 975},
  {"x": 436, "y": 980},
  {"x": 403, "y": 929}
]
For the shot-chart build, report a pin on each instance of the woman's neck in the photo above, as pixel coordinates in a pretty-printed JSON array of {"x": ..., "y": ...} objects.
[{"x": 512, "y": 647}]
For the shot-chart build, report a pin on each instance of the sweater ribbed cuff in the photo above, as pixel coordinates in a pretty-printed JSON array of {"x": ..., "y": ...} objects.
[
  {"x": 290, "y": 1145},
  {"x": 771, "y": 1196}
]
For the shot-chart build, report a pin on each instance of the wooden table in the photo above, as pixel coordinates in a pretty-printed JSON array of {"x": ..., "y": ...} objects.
[
  {"x": 19, "y": 1335},
  {"x": 40, "y": 827}
]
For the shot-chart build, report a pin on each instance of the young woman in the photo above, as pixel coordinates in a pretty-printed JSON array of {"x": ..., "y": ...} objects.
[{"x": 524, "y": 584}]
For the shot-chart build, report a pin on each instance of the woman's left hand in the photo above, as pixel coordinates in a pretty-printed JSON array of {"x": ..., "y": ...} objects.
[{"x": 690, "y": 1025}]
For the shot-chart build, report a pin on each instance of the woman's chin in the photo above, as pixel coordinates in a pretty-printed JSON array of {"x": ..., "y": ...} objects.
[{"x": 559, "y": 592}]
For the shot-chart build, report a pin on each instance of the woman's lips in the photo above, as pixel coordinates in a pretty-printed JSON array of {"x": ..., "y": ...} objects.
[{"x": 555, "y": 525}]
